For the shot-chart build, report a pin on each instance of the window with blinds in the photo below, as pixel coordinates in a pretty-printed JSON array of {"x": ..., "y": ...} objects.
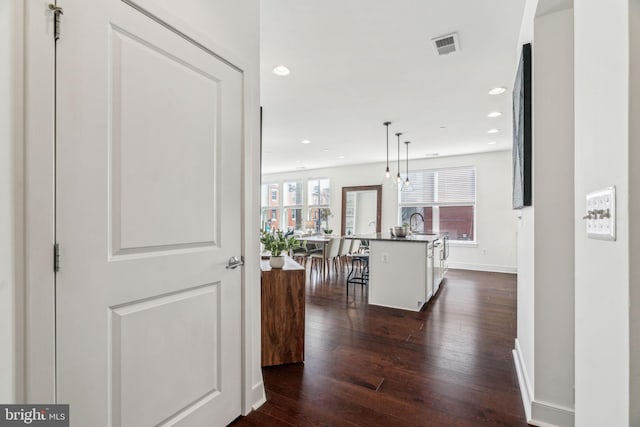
[
  {"x": 441, "y": 187},
  {"x": 445, "y": 198}
]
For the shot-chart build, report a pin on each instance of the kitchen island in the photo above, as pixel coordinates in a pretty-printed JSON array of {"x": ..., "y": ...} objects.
[{"x": 401, "y": 269}]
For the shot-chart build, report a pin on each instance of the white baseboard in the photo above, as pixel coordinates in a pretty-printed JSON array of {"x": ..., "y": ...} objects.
[
  {"x": 538, "y": 413},
  {"x": 258, "y": 397},
  {"x": 483, "y": 267},
  {"x": 544, "y": 414},
  {"x": 526, "y": 391}
]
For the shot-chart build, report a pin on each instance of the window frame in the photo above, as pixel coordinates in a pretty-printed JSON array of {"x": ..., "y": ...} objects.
[
  {"x": 310, "y": 206},
  {"x": 268, "y": 197},
  {"x": 300, "y": 206},
  {"x": 435, "y": 205},
  {"x": 318, "y": 179},
  {"x": 282, "y": 208}
]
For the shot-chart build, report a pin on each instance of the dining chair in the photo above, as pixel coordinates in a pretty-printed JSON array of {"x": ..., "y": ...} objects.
[
  {"x": 301, "y": 254},
  {"x": 345, "y": 247},
  {"x": 355, "y": 246},
  {"x": 333, "y": 253},
  {"x": 329, "y": 254}
]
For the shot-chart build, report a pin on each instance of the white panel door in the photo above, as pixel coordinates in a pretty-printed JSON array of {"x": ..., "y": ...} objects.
[{"x": 149, "y": 134}]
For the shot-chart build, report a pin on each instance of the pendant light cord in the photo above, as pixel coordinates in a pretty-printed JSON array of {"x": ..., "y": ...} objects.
[
  {"x": 387, "y": 126},
  {"x": 398, "y": 135},
  {"x": 407, "y": 143}
]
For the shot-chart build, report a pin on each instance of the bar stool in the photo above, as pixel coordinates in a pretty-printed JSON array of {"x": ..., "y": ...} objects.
[{"x": 359, "y": 262}]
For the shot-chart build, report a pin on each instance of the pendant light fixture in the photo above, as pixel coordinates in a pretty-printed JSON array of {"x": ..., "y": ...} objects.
[
  {"x": 387, "y": 172},
  {"x": 398, "y": 177},
  {"x": 407, "y": 184}
]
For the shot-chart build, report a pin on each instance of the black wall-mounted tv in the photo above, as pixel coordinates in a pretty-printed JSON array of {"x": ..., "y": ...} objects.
[{"x": 522, "y": 132}]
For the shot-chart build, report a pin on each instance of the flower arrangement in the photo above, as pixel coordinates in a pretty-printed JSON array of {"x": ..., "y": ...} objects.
[{"x": 276, "y": 242}]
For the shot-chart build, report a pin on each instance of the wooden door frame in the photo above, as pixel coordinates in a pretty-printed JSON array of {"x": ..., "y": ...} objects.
[
  {"x": 377, "y": 189},
  {"x": 39, "y": 210}
]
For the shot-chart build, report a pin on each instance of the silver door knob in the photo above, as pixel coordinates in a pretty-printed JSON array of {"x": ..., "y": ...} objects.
[{"x": 234, "y": 262}]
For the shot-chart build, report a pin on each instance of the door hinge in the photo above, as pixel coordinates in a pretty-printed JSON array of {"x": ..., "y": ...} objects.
[
  {"x": 57, "y": 12},
  {"x": 56, "y": 258}
]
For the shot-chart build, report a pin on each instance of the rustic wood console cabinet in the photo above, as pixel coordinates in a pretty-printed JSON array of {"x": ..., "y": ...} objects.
[{"x": 283, "y": 305}]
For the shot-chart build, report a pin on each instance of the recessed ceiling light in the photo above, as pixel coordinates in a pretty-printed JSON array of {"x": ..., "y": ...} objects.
[
  {"x": 341, "y": 157},
  {"x": 305, "y": 141},
  {"x": 281, "y": 70},
  {"x": 498, "y": 90},
  {"x": 493, "y": 131},
  {"x": 325, "y": 149},
  {"x": 298, "y": 161},
  {"x": 491, "y": 143},
  {"x": 494, "y": 114},
  {"x": 301, "y": 167},
  {"x": 432, "y": 154}
]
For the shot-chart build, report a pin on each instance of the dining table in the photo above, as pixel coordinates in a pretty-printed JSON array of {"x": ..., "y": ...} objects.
[{"x": 318, "y": 239}]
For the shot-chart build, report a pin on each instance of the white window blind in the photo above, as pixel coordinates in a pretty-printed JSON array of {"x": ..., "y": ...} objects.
[{"x": 452, "y": 186}]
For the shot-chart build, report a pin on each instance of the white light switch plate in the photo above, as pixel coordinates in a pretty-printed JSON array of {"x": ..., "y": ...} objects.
[{"x": 601, "y": 214}]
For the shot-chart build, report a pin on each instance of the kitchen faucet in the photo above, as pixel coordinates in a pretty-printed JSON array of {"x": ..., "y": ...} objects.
[{"x": 411, "y": 220}]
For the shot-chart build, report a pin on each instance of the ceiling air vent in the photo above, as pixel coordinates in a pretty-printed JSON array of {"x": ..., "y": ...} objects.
[{"x": 445, "y": 45}]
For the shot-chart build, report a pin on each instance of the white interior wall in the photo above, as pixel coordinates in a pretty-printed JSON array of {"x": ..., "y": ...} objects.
[
  {"x": 11, "y": 203},
  {"x": 602, "y": 160},
  {"x": 634, "y": 210},
  {"x": 524, "y": 352},
  {"x": 544, "y": 347},
  {"x": 495, "y": 220},
  {"x": 525, "y": 336},
  {"x": 553, "y": 197},
  {"x": 7, "y": 272},
  {"x": 544, "y": 354}
]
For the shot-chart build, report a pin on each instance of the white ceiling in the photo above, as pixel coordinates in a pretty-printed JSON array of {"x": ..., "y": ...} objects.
[{"x": 357, "y": 63}]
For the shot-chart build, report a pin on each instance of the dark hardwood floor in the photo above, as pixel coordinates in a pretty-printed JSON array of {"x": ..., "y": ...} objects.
[{"x": 448, "y": 365}]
